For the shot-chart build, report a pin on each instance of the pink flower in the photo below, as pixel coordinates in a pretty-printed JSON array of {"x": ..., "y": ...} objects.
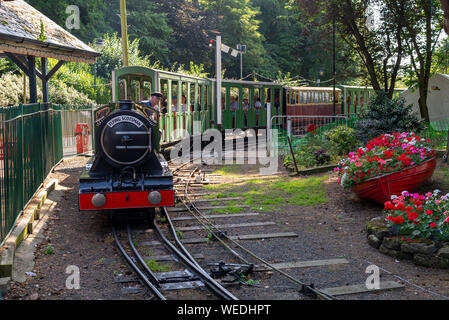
[
  {"x": 358, "y": 164},
  {"x": 437, "y": 201},
  {"x": 382, "y": 161}
]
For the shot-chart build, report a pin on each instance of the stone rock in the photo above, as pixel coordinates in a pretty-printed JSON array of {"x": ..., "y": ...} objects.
[
  {"x": 34, "y": 296},
  {"x": 378, "y": 227},
  {"x": 444, "y": 252},
  {"x": 391, "y": 243},
  {"x": 395, "y": 253},
  {"x": 4, "y": 285},
  {"x": 431, "y": 261},
  {"x": 373, "y": 241},
  {"x": 381, "y": 234},
  {"x": 419, "y": 247}
]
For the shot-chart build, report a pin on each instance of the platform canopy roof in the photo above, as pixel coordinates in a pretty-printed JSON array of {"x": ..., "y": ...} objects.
[{"x": 20, "y": 30}]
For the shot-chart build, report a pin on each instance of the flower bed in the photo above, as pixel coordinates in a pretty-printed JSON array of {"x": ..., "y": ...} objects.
[
  {"x": 414, "y": 227},
  {"x": 423, "y": 252},
  {"x": 382, "y": 156},
  {"x": 419, "y": 216}
]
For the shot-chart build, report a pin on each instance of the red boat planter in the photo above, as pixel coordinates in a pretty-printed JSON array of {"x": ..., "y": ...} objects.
[{"x": 381, "y": 188}]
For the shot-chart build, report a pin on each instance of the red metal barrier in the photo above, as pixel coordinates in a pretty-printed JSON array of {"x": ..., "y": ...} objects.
[{"x": 82, "y": 138}]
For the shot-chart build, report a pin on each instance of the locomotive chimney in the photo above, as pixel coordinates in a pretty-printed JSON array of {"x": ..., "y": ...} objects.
[{"x": 126, "y": 104}]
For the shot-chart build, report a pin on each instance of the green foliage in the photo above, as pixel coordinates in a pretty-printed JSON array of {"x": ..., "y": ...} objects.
[
  {"x": 156, "y": 266},
  {"x": 195, "y": 70},
  {"x": 42, "y": 37},
  {"x": 309, "y": 153},
  {"x": 147, "y": 24},
  {"x": 49, "y": 250},
  {"x": 79, "y": 76},
  {"x": 112, "y": 57},
  {"x": 6, "y": 65},
  {"x": 59, "y": 91},
  {"x": 12, "y": 90},
  {"x": 342, "y": 140},
  {"x": 384, "y": 115},
  {"x": 273, "y": 194}
]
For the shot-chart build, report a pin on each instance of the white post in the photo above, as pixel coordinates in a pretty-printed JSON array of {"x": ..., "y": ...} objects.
[
  {"x": 289, "y": 127},
  {"x": 241, "y": 64},
  {"x": 218, "y": 74},
  {"x": 269, "y": 122}
]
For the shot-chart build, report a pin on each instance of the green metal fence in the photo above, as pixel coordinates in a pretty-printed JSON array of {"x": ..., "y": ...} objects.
[
  {"x": 70, "y": 117},
  {"x": 30, "y": 146}
]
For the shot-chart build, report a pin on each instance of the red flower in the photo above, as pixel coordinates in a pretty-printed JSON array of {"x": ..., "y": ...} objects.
[
  {"x": 433, "y": 225},
  {"x": 311, "y": 128},
  {"x": 429, "y": 212}
]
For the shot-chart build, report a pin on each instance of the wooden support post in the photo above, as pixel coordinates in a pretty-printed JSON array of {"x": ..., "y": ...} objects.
[
  {"x": 44, "y": 70},
  {"x": 32, "y": 75}
]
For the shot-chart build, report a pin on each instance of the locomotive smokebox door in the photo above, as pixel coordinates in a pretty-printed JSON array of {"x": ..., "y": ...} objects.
[{"x": 125, "y": 139}]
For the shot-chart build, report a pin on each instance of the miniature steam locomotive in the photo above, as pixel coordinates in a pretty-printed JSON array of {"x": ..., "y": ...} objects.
[{"x": 127, "y": 171}]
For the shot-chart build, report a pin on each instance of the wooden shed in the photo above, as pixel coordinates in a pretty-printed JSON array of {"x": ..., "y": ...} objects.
[{"x": 27, "y": 34}]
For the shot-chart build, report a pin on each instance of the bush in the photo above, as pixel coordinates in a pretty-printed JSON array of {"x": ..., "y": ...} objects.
[
  {"x": 384, "y": 115},
  {"x": 12, "y": 92},
  {"x": 342, "y": 140},
  {"x": 308, "y": 155}
]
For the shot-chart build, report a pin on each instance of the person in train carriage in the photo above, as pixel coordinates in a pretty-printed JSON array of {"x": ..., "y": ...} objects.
[
  {"x": 184, "y": 103},
  {"x": 174, "y": 104},
  {"x": 164, "y": 107},
  {"x": 257, "y": 105},
  {"x": 234, "y": 105},
  {"x": 266, "y": 103},
  {"x": 154, "y": 100},
  {"x": 245, "y": 105}
]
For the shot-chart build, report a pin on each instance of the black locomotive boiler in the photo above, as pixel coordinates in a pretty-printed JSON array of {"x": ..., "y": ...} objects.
[{"x": 127, "y": 170}]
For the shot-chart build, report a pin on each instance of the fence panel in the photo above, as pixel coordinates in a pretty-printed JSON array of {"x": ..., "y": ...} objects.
[
  {"x": 70, "y": 117},
  {"x": 301, "y": 128},
  {"x": 30, "y": 146}
]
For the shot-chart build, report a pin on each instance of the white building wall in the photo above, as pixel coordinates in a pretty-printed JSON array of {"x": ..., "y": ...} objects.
[{"x": 437, "y": 98}]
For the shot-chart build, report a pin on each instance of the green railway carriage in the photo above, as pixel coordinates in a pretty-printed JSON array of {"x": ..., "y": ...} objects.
[
  {"x": 251, "y": 100},
  {"x": 189, "y": 99}
]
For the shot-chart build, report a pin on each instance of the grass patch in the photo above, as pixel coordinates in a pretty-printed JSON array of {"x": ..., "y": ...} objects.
[
  {"x": 231, "y": 170},
  {"x": 50, "y": 250},
  {"x": 156, "y": 266},
  {"x": 271, "y": 194}
]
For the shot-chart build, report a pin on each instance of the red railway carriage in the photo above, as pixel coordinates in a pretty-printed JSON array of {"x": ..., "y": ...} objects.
[{"x": 312, "y": 101}]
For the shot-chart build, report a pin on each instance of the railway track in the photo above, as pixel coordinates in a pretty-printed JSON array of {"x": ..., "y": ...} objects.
[
  {"x": 189, "y": 179},
  {"x": 220, "y": 235},
  {"x": 158, "y": 282}
]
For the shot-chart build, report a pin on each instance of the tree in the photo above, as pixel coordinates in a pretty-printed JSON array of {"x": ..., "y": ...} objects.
[
  {"x": 147, "y": 24},
  {"x": 381, "y": 50},
  {"x": 190, "y": 31},
  {"x": 112, "y": 57},
  {"x": 422, "y": 26},
  {"x": 237, "y": 23}
]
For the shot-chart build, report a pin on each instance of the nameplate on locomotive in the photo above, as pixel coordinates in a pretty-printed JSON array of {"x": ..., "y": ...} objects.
[{"x": 125, "y": 118}]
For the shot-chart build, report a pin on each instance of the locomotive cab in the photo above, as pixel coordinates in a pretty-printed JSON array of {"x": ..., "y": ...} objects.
[{"x": 127, "y": 170}]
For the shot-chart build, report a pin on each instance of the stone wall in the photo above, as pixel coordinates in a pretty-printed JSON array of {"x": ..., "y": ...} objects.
[{"x": 423, "y": 252}]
